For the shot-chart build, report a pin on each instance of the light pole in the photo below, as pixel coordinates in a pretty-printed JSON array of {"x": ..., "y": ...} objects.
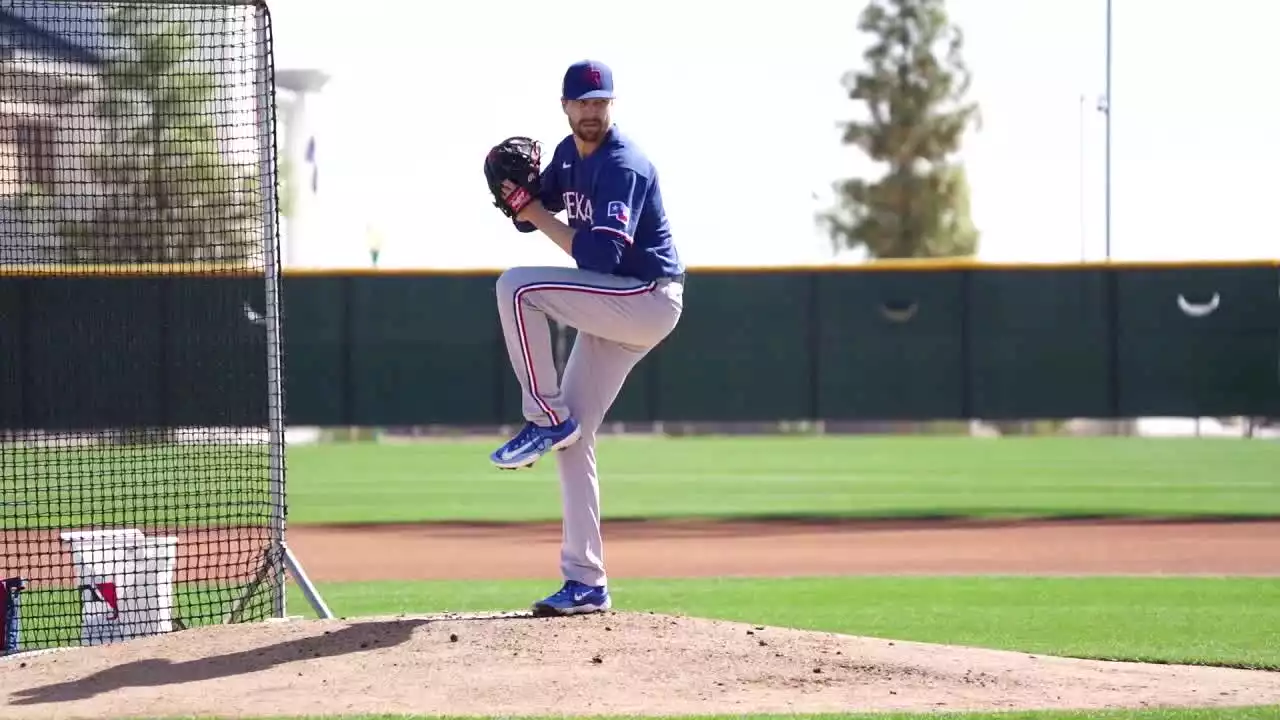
[
  {"x": 1081, "y": 171},
  {"x": 1105, "y": 106}
]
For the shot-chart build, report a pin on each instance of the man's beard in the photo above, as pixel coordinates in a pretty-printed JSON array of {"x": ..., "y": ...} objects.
[{"x": 589, "y": 133}]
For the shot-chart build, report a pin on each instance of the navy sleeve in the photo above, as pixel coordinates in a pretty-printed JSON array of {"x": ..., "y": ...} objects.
[
  {"x": 551, "y": 197},
  {"x": 615, "y": 204}
]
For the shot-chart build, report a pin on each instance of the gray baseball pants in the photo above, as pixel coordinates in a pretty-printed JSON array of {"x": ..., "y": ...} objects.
[{"x": 619, "y": 320}]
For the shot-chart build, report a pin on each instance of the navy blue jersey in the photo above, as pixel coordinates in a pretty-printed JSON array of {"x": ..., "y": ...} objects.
[{"x": 612, "y": 200}]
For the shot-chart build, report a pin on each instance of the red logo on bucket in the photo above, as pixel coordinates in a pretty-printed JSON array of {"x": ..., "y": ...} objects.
[{"x": 105, "y": 592}]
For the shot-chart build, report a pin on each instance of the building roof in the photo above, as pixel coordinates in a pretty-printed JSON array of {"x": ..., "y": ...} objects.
[
  {"x": 17, "y": 32},
  {"x": 301, "y": 79}
]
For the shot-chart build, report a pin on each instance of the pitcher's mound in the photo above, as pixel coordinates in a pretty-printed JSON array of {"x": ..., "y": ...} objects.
[{"x": 607, "y": 663}]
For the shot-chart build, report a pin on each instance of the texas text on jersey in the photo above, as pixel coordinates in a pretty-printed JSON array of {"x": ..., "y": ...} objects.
[{"x": 613, "y": 200}]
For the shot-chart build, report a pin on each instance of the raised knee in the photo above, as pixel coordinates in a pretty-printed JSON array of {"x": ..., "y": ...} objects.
[{"x": 508, "y": 283}]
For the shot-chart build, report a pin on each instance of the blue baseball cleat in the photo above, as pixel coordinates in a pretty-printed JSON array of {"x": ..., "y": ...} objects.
[
  {"x": 534, "y": 441},
  {"x": 574, "y": 598}
]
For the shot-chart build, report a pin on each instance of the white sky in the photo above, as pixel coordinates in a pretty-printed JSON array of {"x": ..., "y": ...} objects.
[{"x": 748, "y": 135}]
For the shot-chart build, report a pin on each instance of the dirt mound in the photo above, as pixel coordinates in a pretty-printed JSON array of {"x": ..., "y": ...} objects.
[{"x": 609, "y": 663}]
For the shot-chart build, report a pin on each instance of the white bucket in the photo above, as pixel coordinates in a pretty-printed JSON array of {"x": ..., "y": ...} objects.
[{"x": 125, "y": 581}]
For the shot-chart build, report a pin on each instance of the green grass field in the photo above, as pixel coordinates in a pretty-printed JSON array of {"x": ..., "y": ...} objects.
[
  {"x": 1222, "y": 621},
  {"x": 648, "y": 477},
  {"x": 798, "y": 476},
  {"x": 65, "y": 487}
]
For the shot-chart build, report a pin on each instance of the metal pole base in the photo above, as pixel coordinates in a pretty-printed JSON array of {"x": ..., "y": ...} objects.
[{"x": 308, "y": 589}]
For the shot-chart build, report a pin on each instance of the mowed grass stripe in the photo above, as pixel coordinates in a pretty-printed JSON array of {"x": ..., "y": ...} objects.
[
  {"x": 652, "y": 477},
  {"x": 798, "y": 476}
]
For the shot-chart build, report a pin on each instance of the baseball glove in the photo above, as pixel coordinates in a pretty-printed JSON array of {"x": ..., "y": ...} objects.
[{"x": 517, "y": 160}]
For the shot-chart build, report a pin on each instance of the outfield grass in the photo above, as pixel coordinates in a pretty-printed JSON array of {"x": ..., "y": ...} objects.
[
  {"x": 67, "y": 487},
  {"x": 651, "y": 477},
  {"x": 798, "y": 476},
  {"x": 1218, "y": 621}
]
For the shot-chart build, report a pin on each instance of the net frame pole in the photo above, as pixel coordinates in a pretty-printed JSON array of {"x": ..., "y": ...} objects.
[{"x": 287, "y": 560}]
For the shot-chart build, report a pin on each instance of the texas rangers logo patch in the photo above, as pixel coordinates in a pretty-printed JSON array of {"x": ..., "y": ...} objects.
[{"x": 619, "y": 211}]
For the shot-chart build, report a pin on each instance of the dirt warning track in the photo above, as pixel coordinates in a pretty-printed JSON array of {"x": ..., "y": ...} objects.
[{"x": 715, "y": 548}]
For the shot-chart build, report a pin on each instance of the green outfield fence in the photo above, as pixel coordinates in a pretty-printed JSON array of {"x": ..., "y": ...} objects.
[{"x": 886, "y": 341}]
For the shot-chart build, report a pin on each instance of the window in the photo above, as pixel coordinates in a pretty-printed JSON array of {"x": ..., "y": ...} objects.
[
  {"x": 35, "y": 156},
  {"x": 8, "y": 159}
]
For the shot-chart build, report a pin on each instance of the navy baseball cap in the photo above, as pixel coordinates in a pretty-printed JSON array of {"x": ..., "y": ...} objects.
[{"x": 588, "y": 79}]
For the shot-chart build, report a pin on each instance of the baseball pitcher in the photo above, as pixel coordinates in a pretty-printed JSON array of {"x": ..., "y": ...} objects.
[{"x": 624, "y": 297}]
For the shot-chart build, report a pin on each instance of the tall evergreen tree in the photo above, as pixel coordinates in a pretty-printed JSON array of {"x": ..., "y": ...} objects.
[
  {"x": 168, "y": 192},
  {"x": 913, "y": 90}
]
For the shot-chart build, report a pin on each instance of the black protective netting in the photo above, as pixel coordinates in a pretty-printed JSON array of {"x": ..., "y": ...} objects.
[{"x": 140, "y": 402}]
